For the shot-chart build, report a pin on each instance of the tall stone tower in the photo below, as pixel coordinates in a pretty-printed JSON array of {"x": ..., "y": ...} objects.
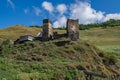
[
  {"x": 72, "y": 29},
  {"x": 47, "y": 30}
]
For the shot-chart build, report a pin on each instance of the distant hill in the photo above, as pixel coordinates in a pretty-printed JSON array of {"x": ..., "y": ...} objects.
[
  {"x": 16, "y": 31},
  {"x": 109, "y": 23}
]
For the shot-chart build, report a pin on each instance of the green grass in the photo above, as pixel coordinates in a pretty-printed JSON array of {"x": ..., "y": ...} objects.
[
  {"x": 111, "y": 48},
  {"x": 99, "y": 36},
  {"x": 47, "y": 60},
  {"x": 107, "y": 40}
]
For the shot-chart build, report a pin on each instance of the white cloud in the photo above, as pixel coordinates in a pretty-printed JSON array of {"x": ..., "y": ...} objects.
[
  {"x": 48, "y": 6},
  {"x": 78, "y": 10},
  {"x": 85, "y": 14},
  {"x": 26, "y": 11},
  {"x": 61, "y": 21},
  {"x": 11, "y": 4},
  {"x": 61, "y": 8},
  {"x": 112, "y": 16},
  {"x": 37, "y": 10}
]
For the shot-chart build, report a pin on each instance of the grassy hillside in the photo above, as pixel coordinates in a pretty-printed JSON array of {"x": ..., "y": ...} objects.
[
  {"x": 107, "y": 39},
  {"x": 59, "y": 59},
  {"x": 100, "y": 36},
  {"x": 16, "y": 31}
]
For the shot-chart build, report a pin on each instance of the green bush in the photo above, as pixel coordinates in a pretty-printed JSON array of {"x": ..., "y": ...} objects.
[
  {"x": 6, "y": 42},
  {"x": 110, "y": 60}
]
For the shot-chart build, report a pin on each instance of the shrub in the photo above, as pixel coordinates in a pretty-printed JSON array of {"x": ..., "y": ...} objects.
[
  {"x": 6, "y": 42},
  {"x": 110, "y": 60},
  {"x": 101, "y": 54}
]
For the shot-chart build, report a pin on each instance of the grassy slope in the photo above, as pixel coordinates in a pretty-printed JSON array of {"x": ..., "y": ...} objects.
[
  {"x": 16, "y": 31},
  {"x": 43, "y": 60},
  {"x": 99, "y": 36},
  {"x": 58, "y": 59},
  {"x": 107, "y": 40}
]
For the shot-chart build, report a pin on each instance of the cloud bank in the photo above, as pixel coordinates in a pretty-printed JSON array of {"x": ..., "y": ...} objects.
[
  {"x": 77, "y": 10},
  {"x": 115, "y": 16},
  {"x": 82, "y": 11}
]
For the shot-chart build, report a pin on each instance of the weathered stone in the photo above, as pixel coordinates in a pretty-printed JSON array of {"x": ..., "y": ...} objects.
[
  {"x": 24, "y": 39},
  {"x": 73, "y": 29},
  {"x": 47, "y": 30}
]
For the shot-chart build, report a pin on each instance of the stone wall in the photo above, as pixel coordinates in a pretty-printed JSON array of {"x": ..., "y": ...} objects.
[
  {"x": 72, "y": 29},
  {"x": 47, "y": 30}
]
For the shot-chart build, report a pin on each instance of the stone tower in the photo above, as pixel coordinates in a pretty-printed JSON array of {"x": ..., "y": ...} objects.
[
  {"x": 47, "y": 30},
  {"x": 72, "y": 29}
]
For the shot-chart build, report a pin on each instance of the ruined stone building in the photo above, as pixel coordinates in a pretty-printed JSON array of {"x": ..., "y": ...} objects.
[
  {"x": 72, "y": 29},
  {"x": 47, "y": 30}
]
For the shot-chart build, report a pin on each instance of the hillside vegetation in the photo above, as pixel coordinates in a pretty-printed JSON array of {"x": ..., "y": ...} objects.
[
  {"x": 107, "y": 40},
  {"x": 59, "y": 59},
  {"x": 109, "y": 23}
]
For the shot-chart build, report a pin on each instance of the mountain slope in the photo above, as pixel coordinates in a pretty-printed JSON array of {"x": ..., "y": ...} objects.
[
  {"x": 58, "y": 59},
  {"x": 16, "y": 31}
]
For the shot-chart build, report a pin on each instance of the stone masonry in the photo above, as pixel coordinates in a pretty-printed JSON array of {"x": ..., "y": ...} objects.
[
  {"x": 47, "y": 30},
  {"x": 72, "y": 29}
]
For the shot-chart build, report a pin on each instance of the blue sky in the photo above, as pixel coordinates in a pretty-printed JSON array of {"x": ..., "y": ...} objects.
[{"x": 32, "y": 12}]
